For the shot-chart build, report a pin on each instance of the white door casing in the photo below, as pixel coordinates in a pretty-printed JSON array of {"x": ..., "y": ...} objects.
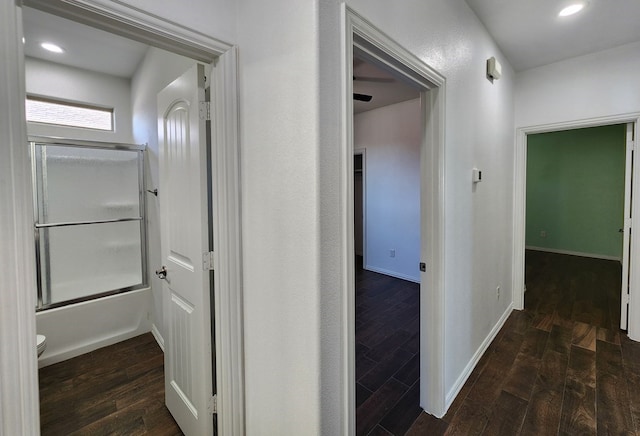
[
  {"x": 373, "y": 45},
  {"x": 21, "y": 394},
  {"x": 184, "y": 240},
  {"x": 626, "y": 229}
]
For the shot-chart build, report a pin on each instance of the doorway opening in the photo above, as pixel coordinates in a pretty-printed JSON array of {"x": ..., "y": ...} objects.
[
  {"x": 366, "y": 43},
  {"x": 578, "y": 195},
  {"x": 387, "y": 173},
  {"x": 169, "y": 42},
  {"x": 590, "y": 222}
]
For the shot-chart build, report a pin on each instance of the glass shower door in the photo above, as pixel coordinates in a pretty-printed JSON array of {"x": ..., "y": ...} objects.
[{"x": 89, "y": 220}]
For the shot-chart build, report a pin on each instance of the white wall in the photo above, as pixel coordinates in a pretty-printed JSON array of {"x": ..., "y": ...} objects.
[
  {"x": 392, "y": 136},
  {"x": 290, "y": 131},
  {"x": 157, "y": 70},
  {"x": 18, "y": 368},
  {"x": 278, "y": 67},
  {"x": 290, "y": 78},
  {"x": 215, "y": 18},
  {"x": 595, "y": 85},
  {"x": 47, "y": 79}
]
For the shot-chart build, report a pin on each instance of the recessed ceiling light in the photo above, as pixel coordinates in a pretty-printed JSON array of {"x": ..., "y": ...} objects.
[
  {"x": 571, "y": 9},
  {"x": 52, "y": 47}
]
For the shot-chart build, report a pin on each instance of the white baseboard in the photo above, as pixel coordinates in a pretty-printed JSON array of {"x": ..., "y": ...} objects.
[
  {"x": 156, "y": 334},
  {"x": 455, "y": 390},
  {"x": 573, "y": 253},
  {"x": 392, "y": 274},
  {"x": 61, "y": 356}
]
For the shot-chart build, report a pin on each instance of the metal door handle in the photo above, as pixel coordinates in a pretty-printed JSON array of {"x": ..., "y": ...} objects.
[{"x": 162, "y": 272}]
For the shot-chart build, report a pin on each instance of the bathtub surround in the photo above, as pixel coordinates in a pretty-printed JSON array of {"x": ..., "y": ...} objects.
[
  {"x": 83, "y": 327},
  {"x": 90, "y": 219}
]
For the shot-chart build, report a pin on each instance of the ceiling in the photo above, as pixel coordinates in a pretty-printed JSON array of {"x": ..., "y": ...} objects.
[
  {"x": 383, "y": 87},
  {"x": 92, "y": 49},
  {"x": 530, "y": 33},
  {"x": 85, "y": 47}
]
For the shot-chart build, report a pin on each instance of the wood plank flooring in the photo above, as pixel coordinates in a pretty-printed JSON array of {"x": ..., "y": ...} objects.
[
  {"x": 116, "y": 390},
  {"x": 387, "y": 353},
  {"x": 560, "y": 367}
]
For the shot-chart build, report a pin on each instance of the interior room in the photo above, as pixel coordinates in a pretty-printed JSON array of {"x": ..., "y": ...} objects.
[
  {"x": 387, "y": 144},
  {"x": 576, "y": 191},
  {"x": 254, "y": 328},
  {"x": 97, "y": 192}
]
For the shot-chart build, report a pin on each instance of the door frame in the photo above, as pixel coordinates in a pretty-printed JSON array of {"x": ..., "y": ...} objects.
[
  {"x": 134, "y": 23},
  {"x": 519, "y": 209},
  {"x": 363, "y": 152},
  {"x": 363, "y": 35}
]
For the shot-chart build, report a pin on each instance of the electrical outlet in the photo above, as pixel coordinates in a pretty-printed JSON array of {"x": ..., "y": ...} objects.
[
  {"x": 543, "y": 233},
  {"x": 392, "y": 252},
  {"x": 498, "y": 292}
]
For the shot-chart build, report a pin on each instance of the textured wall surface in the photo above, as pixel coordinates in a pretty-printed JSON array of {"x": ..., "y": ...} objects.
[
  {"x": 392, "y": 136},
  {"x": 596, "y": 85},
  {"x": 575, "y": 190},
  {"x": 48, "y": 79}
]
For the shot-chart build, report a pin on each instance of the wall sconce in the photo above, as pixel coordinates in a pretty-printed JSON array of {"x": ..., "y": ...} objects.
[{"x": 494, "y": 69}]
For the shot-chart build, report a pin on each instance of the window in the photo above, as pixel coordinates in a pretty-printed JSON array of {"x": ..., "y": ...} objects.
[{"x": 68, "y": 114}]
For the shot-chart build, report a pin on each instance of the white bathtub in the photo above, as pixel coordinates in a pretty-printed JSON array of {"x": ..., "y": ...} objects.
[{"x": 83, "y": 327}]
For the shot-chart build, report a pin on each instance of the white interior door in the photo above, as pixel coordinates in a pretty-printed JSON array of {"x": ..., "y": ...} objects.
[
  {"x": 184, "y": 226},
  {"x": 624, "y": 296}
]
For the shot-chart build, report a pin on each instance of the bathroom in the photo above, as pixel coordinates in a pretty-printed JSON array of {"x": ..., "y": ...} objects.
[{"x": 94, "y": 285}]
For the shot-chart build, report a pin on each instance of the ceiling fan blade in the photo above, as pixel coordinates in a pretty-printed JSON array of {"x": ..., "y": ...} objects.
[
  {"x": 362, "y": 97},
  {"x": 374, "y": 79}
]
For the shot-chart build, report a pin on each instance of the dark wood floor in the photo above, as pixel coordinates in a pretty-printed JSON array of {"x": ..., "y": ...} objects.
[
  {"x": 560, "y": 367},
  {"x": 116, "y": 390},
  {"x": 387, "y": 353}
]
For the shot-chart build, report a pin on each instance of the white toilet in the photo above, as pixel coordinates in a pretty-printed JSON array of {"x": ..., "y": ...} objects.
[{"x": 41, "y": 342}]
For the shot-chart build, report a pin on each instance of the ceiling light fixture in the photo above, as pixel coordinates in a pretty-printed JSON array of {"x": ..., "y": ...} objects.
[
  {"x": 571, "y": 9},
  {"x": 52, "y": 47}
]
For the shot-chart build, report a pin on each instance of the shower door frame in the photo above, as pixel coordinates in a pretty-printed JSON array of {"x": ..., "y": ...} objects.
[{"x": 39, "y": 189}]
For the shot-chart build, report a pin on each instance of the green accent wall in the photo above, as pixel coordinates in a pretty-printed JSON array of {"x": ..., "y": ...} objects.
[{"x": 575, "y": 190}]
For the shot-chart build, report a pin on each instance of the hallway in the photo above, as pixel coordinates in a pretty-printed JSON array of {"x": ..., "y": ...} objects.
[{"x": 561, "y": 366}]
